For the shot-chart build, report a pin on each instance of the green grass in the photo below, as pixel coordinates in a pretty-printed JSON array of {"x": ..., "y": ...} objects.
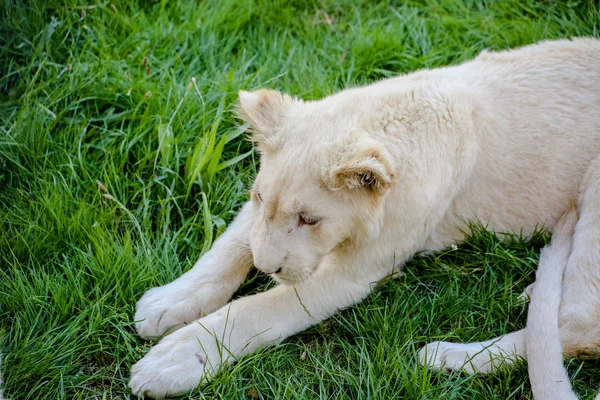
[{"x": 117, "y": 171}]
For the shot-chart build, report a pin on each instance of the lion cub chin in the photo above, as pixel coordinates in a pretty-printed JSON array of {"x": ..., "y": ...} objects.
[{"x": 352, "y": 185}]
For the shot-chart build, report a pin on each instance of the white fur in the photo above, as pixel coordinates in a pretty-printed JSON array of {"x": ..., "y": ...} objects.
[
  {"x": 549, "y": 379},
  {"x": 203, "y": 289},
  {"x": 480, "y": 357},
  {"x": 389, "y": 169}
]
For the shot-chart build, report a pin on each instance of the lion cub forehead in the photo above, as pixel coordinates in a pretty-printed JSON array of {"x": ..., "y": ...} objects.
[{"x": 285, "y": 183}]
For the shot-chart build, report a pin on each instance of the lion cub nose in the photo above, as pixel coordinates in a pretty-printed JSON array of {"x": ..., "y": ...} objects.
[
  {"x": 269, "y": 260},
  {"x": 275, "y": 269}
]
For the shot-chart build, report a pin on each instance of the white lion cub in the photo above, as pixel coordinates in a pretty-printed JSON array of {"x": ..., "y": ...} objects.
[{"x": 352, "y": 185}]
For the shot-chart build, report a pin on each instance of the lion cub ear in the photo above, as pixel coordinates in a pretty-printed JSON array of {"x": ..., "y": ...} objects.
[
  {"x": 264, "y": 110},
  {"x": 369, "y": 168}
]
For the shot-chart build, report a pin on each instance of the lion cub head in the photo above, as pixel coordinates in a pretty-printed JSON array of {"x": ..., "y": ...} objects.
[{"x": 321, "y": 182}]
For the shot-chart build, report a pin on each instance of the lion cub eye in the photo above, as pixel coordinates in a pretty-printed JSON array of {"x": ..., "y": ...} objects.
[
  {"x": 305, "y": 219},
  {"x": 259, "y": 196}
]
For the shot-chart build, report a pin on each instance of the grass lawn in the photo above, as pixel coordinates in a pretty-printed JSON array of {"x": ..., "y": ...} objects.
[{"x": 121, "y": 161}]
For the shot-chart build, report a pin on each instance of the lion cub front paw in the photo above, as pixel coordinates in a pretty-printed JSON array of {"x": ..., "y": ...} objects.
[
  {"x": 167, "y": 308},
  {"x": 175, "y": 365}
]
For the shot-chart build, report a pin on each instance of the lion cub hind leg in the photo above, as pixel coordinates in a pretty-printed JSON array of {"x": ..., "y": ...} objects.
[
  {"x": 489, "y": 355},
  {"x": 527, "y": 293},
  {"x": 478, "y": 357},
  {"x": 579, "y": 317},
  {"x": 549, "y": 379}
]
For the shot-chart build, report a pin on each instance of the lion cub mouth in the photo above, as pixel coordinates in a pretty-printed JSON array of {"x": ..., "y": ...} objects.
[{"x": 294, "y": 278}]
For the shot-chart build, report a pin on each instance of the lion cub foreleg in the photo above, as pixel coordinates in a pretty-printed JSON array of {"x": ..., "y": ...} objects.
[
  {"x": 181, "y": 360},
  {"x": 203, "y": 289}
]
